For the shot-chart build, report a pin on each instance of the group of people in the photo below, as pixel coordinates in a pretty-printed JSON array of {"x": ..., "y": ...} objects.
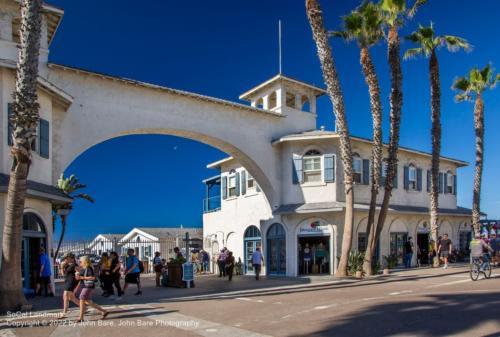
[
  {"x": 226, "y": 263},
  {"x": 201, "y": 261},
  {"x": 81, "y": 277}
]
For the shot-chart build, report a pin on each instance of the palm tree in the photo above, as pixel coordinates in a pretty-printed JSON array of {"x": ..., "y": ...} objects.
[
  {"x": 429, "y": 43},
  {"x": 470, "y": 87},
  {"x": 24, "y": 120},
  {"x": 314, "y": 14},
  {"x": 69, "y": 186},
  {"x": 394, "y": 12},
  {"x": 365, "y": 26}
]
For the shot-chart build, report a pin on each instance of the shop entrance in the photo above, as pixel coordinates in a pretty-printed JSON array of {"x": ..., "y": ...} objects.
[
  {"x": 34, "y": 238},
  {"x": 314, "y": 253},
  {"x": 397, "y": 246},
  {"x": 276, "y": 250},
  {"x": 423, "y": 248}
]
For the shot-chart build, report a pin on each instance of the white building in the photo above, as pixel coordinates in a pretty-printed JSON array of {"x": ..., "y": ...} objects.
[
  {"x": 311, "y": 212},
  {"x": 105, "y": 243}
]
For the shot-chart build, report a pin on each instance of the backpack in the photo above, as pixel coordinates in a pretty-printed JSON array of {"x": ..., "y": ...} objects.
[{"x": 141, "y": 266}]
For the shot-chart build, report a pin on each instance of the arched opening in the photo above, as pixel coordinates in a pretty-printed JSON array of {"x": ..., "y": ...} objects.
[
  {"x": 276, "y": 250},
  {"x": 306, "y": 105},
  {"x": 398, "y": 235},
  {"x": 34, "y": 238},
  {"x": 252, "y": 240},
  {"x": 273, "y": 100}
]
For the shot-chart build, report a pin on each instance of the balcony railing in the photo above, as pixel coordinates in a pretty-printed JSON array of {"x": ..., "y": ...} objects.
[{"x": 211, "y": 204}]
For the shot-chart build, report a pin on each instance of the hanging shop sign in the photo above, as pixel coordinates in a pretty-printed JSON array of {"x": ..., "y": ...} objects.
[{"x": 313, "y": 229}]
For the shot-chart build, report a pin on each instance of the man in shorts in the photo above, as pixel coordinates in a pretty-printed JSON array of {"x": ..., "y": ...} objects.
[
  {"x": 132, "y": 271},
  {"x": 444, "y": 249}
]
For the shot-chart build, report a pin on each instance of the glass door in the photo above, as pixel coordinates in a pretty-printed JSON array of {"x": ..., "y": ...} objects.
[
  {"x": 397, "y": 245},
  {"x": 276, "y": 256},
  {"x": 250, "y": 247}
]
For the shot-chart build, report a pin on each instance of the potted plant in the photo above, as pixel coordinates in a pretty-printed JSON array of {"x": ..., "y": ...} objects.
[
  {"x": 356, "y": 260},
  {"x": 391, "y": 261},
  {"x": 174, "y": 268}
]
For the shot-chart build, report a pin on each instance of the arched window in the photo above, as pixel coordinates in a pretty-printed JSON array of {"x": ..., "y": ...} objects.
[
  {"x": 450, "y": 183},
  {"x": 231, "y": 186},
  {"x": 306, "y": 106},
  {"x": 276, "y": 249},
  {"x": 276, "y": 231},
  {"x": 412, "y": 177},
  {"x": 252, "y": 232},
  {"x": 33, "y": 223},
  {"x": 312, "y": 166},
  {"x": 272, "y": 100}
]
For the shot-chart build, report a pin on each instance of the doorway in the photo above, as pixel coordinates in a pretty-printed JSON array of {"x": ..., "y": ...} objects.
[
  {"x": 252, "y": 241},
  {"x": 423, "y": 248},
  {"x": 313, "y": 255},
  {"x": 34, "y": 238},
  {"x": 276, "y": 250},
  {"x": 397, "y": 246}
]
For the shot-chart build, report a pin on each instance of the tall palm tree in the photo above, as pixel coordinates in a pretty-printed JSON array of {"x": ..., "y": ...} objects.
[
  {"x": 365, "y": 26},
  {"x": 70, "y": 186},
  {"x": 470, "y": 87},
  {"x": 315, "y": 16},
  {"x": 429, "y": 43},
  {"x": 394, "y": 12},
  {"x": 25, "y": 120}
]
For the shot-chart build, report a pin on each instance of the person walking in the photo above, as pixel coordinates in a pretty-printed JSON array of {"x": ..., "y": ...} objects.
[
  {"x": 229, "y": 265},
  {"x": 221, "y": 262},
  {"x": 158, "y": 266},
  {"x": 444, "y": 249},
  {"x": 44, "y": 274},
  {"x": 87, "y": 277},
  {"x": 105, "y": 274},
  {"x": 115, "y": 276},
  {"x": 68, "y": 269},
  {"x": 408, "y": 252},
  {"x": 257, "y": 262},
  {"x": 205, "y": 259},
  {"x": 132, "y": 271}
]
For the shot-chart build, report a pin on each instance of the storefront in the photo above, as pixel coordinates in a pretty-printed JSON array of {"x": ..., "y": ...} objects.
[
  {"x": 251, "y": 241},
  {"x": 276, "y": 250},
  {"x": 313, "y": 248}
]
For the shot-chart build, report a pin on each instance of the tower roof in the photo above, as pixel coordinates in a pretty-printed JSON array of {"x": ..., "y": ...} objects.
[{"x": 282, "y": 79}]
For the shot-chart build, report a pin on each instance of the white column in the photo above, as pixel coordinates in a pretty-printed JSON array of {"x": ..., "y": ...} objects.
[
  {"x": 280, "y": 98},
  {"x": 5, "y": 26},
  {"x": 298, "y": 101},
  {"x": 265, "y": 99},
  {"x": 44, "y": 39},
  {"x": 312, "y": 104},
  {"x": 253, "y": 103}
]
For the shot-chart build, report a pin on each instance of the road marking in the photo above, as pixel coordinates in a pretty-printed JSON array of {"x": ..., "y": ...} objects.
[
  {"x": 449, "y": 283},
  {"x": 322, "y": 307},
  {"x": 7, "y": 333},
  {"x": 400, "y": 292},
  {"x": 248, "y": 299}
]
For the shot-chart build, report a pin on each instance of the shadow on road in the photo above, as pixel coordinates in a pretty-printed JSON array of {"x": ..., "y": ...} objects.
[{"x": 435, "y": 315}]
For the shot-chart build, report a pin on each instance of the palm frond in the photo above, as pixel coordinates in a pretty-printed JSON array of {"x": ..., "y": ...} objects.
[
  {"x": 413, "y": 52},
  {"x": 342, "y": 34},
  {"x": 413, "y": 9},
  {"x": 461, "y": 84},
  {"x": 454, "y": 43},
  {"x": 84, "y": 196}
]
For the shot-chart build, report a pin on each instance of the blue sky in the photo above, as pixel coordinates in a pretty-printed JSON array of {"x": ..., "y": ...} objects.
[{"x": 222, "y": 48}]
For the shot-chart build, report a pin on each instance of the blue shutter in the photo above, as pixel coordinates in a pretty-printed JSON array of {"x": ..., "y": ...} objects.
[
  {"x": 419, "y": 179},
  {"x": 329, "y": 168},
  {"x": 297, "y": 169},
  {"x": 395, "y": 181},
  {"x": 406, "y": 178},
  {"x": 455, "y": 185},
  {"x": 44, "y": 138},
  {"x": 237, "y": 183},
  {"x": 243, "y": 182},
  {"x": 428, "y": 180},
  {"x": 441, "y": 183},
  {"x": 366, "y": 172},
  {"x": 10, "y": 127},
  {"x": 223, "y": 187},
  {"x": 445, "y": 183}
]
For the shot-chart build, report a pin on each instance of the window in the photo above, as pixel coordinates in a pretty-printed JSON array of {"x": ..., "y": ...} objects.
[
  {"x": 232, "y": 186},
  {"x": 450, "y": 182},
  {"x": 412, "y": 177},
  {"x": 362, "y": 242},
  {"x": 357, "y": 166},
  {"x": 312, "y": 166},
  {"x": 250, "y": 181}
]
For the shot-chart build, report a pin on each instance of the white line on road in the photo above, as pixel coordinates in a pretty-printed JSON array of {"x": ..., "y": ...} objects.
[
  {"x": 449, "y": 283},
  {"x": 248, "y": 299},
  {"x": 400, "y": 292}
]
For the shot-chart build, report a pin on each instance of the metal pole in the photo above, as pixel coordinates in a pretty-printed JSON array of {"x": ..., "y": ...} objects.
[{"x": 279, "y": 44}]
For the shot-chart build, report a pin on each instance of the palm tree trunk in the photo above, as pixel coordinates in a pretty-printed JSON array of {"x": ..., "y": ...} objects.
[
  {"x": 334, "y": 91},
  {"x": 25, "y": 121},
  {"x": 478, "y": 174},
  {"x": 376, "y": 108},
  {"x": 396, "y": 103},
  {"x": 436, "y": 142},
  {"x": 61, "y": 237}
]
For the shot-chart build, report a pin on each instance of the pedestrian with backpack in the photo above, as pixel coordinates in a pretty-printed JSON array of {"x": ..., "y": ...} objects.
[
  {"x": 87, "y": 279},
  {"x": 133, "y": 271}
]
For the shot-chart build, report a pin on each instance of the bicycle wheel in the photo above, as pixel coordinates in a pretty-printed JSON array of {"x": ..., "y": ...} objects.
[
  {"x": 487, "y": 270},
  {"x": 474, "y": 271}
]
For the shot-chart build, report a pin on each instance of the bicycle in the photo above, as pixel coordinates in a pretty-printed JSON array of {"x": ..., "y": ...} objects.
[{"x": 480, "y": 265}]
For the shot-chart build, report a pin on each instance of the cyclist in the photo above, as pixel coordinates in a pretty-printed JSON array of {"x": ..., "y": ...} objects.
[{"x": 479, "y": 249}]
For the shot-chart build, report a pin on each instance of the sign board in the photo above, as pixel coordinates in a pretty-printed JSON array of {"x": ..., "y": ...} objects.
[
  {"x": 313, "y": 229},
  {"x": 188, "y": 271}
]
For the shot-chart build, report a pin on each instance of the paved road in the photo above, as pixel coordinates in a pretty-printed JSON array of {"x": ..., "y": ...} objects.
[{"x": 425, "y": 302}]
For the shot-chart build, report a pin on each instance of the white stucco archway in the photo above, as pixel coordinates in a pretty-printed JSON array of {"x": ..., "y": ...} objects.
[{"x": 106, "y": 107}]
